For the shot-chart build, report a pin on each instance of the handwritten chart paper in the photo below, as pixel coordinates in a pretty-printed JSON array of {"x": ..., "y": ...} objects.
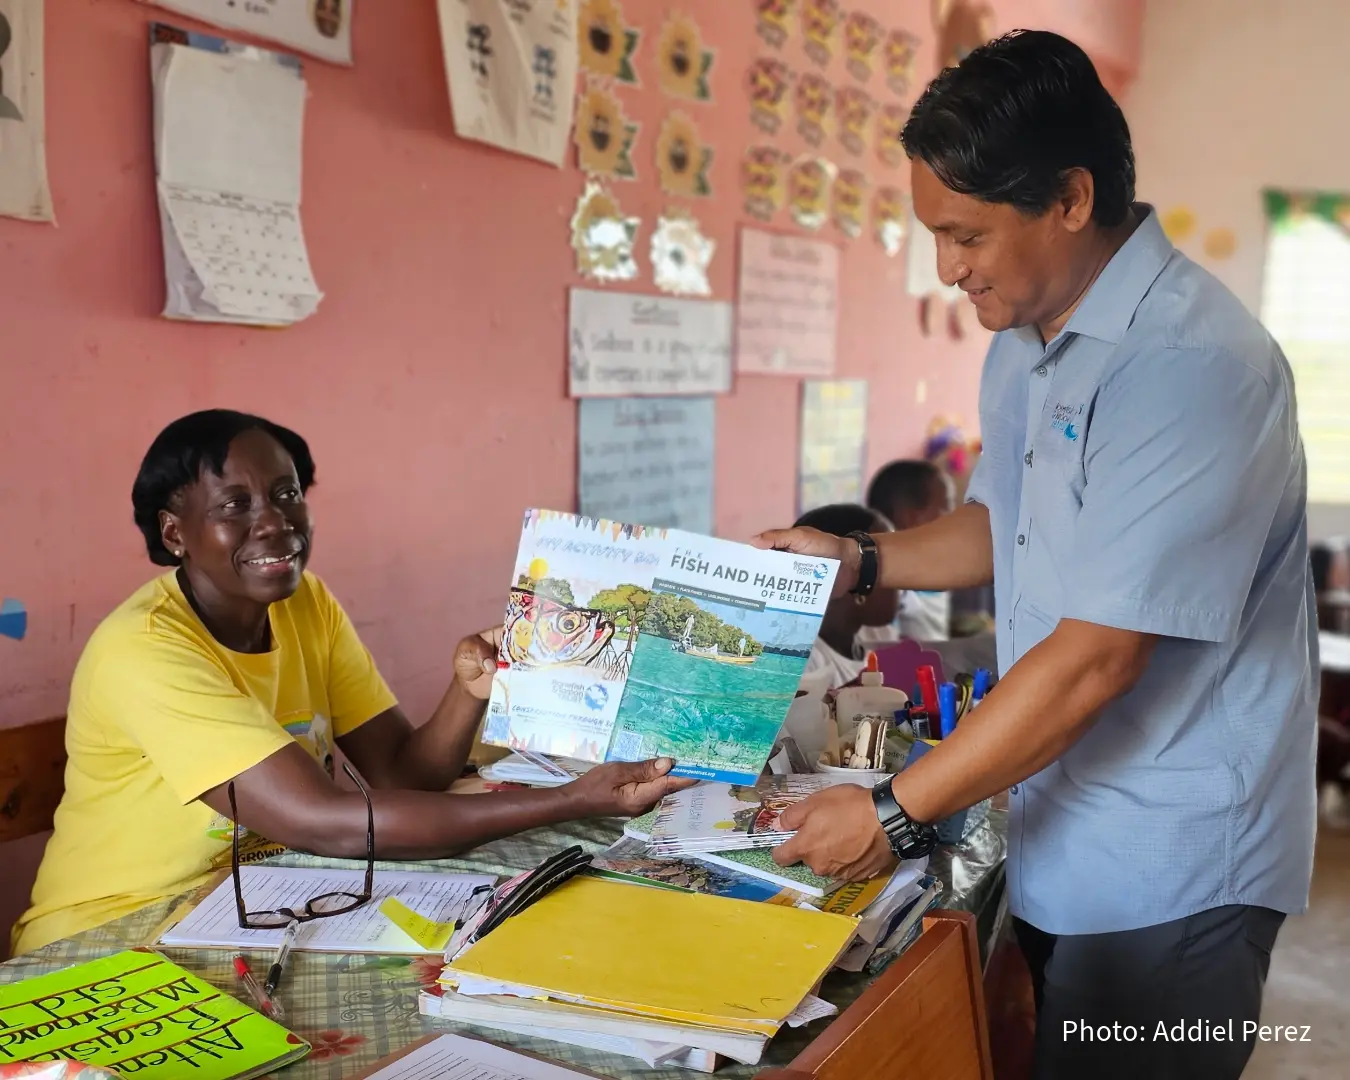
[
  {"x": 648, "y": 461},
  {"x": 454, "y": 1057},
  {"x": 214, "y": 923},
  {"x": 833, "y": 442},
  {"x": 322, "y": 28},
  {"x": 623, "y": 345},
  {"x": 512, "y": 72},
  {"x": 788, "y": 314},
  {"x": 141, "y": 1016},
  {"x": 24, "y": 192},
  {"x": 228, "y": 125}
]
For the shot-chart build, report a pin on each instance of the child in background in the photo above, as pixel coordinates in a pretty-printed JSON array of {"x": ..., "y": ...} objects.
[
  {"x": 910, "y": 493},
  {"x": 836, "y": 657}
]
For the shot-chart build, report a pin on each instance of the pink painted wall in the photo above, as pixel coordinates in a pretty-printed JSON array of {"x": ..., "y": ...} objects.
[{"x": 431, "y": 382}]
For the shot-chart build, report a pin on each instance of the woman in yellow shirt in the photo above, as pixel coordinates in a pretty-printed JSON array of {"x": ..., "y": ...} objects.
[{"x": 239, "y": 666}]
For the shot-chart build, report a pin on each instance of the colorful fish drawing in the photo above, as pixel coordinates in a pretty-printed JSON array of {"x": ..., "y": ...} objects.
[{"x": 542, "y": 633}]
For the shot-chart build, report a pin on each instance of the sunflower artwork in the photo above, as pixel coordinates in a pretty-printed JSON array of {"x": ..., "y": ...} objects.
[
  {"x": 890, "y": 126},
  {"x": 773, "y": 21},
  {"x": 605, "y": 42},
  {"x": 808, "y": 191},
  {"x": 889, "y": 214},
  {"x": 682, "y": 158},
  {"x": 602, "y": 237},
  {"x": 682, "y": 62},
  {"x": 604, "y": 136},
  {"x": 769, "y": 81},
  {"x": 820, "y": 25},
  {"x": 849, "y": 202},
  {"x": 762, "y": 181}
]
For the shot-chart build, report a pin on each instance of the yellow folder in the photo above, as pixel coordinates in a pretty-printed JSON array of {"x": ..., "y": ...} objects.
[{"x": 686, "y": 957}]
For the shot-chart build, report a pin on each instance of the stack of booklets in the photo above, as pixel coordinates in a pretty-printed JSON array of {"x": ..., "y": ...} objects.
[
  {"x": 624, "y": 643},
  {"x": 677, "y": 977},
  {"x": 722, "y": 818},
  {"x": 533, "y": 770}
]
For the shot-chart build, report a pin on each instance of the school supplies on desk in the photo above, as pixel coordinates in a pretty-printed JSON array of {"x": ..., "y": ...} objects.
[
  {"x": 679, "y": 957},
  {"x": 140, "y": 1015},
  {"x": 214, "y": 923},
  {"x": 623, "y": 643}
]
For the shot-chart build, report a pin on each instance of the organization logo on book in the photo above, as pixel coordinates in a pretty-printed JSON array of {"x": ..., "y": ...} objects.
[
  {"x": 596, "y": 697},
  {"x": 818, "y": 570}
]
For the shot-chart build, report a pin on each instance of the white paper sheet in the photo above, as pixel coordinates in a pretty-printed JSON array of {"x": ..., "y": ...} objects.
[
  {"x": 512, "y": 69},
  {"x": 228, "y": 129},
  {"x": 624, "y": 344},
  {"x": 787, "y": 314},
  {"x": 453, "y": 1057},
  {"x": 215, "y": 921},
  {"x": 322, "y": 28},
  {"x": 24, "y": 191}
]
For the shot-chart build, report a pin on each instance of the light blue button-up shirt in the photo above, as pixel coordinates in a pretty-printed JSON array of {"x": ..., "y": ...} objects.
[{"x": 1144, "y": 471}]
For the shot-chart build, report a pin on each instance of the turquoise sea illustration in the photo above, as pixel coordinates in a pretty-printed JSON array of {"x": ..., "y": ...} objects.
[{"x": 711, "y": 686}]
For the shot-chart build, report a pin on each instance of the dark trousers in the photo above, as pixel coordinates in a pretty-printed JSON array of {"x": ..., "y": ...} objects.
[{"x": 1176, "y": 1001}]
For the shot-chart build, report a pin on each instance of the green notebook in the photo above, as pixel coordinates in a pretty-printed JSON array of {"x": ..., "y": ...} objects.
[{"x": 138, "y": 1014}]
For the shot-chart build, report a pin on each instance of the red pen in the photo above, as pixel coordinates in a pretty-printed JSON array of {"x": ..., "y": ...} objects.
[
  {"x": 929, "y": 688},
  {"x": 269, "y": 1007}
]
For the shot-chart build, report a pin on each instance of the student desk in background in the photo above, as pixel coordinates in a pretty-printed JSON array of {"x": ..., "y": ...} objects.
[{"x": 358, "y": 1009}]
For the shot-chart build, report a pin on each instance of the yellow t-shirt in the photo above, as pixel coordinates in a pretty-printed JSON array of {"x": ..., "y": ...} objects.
[{"x": 160, "y": 712}]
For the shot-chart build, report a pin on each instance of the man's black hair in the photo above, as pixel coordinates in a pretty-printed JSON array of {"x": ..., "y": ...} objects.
[
  {"x": 182, "y": 450},
  {"x": 840, "y": 519},
  {"x": 1009, "y": 122},
  {"x": 909, "y": 484}
]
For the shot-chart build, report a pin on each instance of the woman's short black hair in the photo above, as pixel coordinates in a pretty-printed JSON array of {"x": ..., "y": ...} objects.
[
  {"x": 182, "y": 450},
  {"x": 1014, "y": 117},
  {"x": 840, "y": 519}
]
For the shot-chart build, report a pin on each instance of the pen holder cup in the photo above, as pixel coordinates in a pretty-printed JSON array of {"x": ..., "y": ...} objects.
[{"x": 954, "y": 829}]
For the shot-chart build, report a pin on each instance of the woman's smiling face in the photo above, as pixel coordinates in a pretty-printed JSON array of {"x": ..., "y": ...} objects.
[{"x": 243, "y": 535}]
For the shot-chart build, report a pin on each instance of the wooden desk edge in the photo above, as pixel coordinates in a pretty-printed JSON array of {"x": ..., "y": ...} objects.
[{"x": 938, "y": 929}]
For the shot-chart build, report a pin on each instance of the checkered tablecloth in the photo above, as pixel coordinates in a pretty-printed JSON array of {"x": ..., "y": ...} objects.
[{"x": 355, "y": 1010}]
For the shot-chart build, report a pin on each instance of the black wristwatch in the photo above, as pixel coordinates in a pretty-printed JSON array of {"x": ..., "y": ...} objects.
[
  {"x": 867, "y": 563},
  {"x": 909, "y": 839}
]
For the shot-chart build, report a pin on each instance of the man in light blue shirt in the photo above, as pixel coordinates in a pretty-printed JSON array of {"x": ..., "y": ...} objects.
[{"x": 1141, "y": 508}]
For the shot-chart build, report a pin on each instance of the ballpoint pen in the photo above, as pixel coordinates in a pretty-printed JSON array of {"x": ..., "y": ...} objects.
[
  {"x": 261, "y": 1000},
  {"x": 283, "y": 954}
]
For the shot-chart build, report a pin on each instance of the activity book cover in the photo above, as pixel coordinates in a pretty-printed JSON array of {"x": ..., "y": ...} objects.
[{"x": 624, "y": 643}]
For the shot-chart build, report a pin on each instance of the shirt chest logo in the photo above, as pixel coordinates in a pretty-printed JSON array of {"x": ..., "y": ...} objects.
[{"x": 1067, "y": 420}]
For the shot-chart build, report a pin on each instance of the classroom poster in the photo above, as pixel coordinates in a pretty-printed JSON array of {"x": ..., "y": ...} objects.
[
  {"x": 788, "y": 309},
  {"x": 321, "y": 28},
  {"x": 648, "y": 461},
  {"x": 623, "y": 344},
  {"x": 24, "y": 192},
  {"x": 512, "y": 70},
  {"x": 833, "y": 443}
]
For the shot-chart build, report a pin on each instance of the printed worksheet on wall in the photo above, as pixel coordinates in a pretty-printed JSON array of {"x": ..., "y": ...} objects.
[{"x": 228, "y": 127}]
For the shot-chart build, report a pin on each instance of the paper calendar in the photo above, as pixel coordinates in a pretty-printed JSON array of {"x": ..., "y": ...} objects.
[{"x": 228, "y": 128}]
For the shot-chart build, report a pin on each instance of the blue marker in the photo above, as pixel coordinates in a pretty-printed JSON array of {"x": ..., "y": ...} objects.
[
  {"x": 947, "y": 707},
  {"x": 980, "y": 686}
]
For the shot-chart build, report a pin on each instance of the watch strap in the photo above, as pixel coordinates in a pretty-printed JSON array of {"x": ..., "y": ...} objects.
[
  {"x": 908, "y": 838},
  {"x": 867, "y": 563}
]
